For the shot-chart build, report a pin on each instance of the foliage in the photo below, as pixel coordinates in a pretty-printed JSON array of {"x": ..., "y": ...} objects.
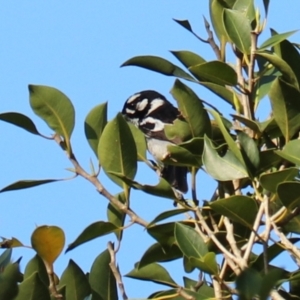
[{"x": 254, "y": 162}]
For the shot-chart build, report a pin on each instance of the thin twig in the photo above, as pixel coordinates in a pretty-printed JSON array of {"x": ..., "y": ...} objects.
[
  {"x": 115, "y": 270},
  {"x": 254, "y": 232},
  {"x": 100, "y": 188},
  {"x": 217, "y": 288},
  {"x": 211, "y": 40}
]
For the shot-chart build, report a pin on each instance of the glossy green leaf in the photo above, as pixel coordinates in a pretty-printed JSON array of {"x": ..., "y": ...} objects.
[
  {"x": 216, "y": 72},
  {"x": 241, "y": 209},
  {"x": 189, "y": 241},
  {"x": 216, "y": 11},
  {"x": 270, "y": 181},
  {"x": 180, "y": 156},
  {"x": 101, "y": 278},
  {"x": 140, "y": 142},
  {"x": 178, "y": 131},
  {"x": 289, "y": 53},
  {"x": 206, "y": 264},
  {"x": 115, "y": 216},
  {"x": 286, "y": 71},
  {"x": 55, "y": 108},
  {"x": 91, "y": 232},
  {"x": 188, "y": 58},
  {"x": 248, "y": 283},
  {"x": 223, "y": 168},
  {"x": 275, "y": 39},
  {"x": 5, "y": 258},
  {"x": 158, "y": 64},
  {"x": 164, "y": 233},
  {"x": 36, "y": 264},
  {"x": 167, "y": 214},
  {"x": 229, "y": 140},
  {"x": 248, "y": 123},
  {"x": 33, "y": 288},
  {"x": 19, "y": 120},
  {"x": 152, "y": 272},
  {"x": 94, "y": 125},
  {"x": 293, "y": 226},
  {"x": 117, "y": 151},
  {"x": 268, "y": 159},
  {"x": 246, "y": 7},
  {"x": 285, "y": 100},
  {"x": 194, "y": 146},
  {"x": 250, "y": 151},
  {"x": 269, "y": 281},
  {"x": 75, "y": 282},
  {"x": 272, "y": 252},
  {"x": 162, "y": 189},
  {"x": 184, "y": 23},
  {"x": 291, "y": 152},
  {"x": 202, "y": 294},
  {"x": 238, "y": 29},
  {"x": 24, "y": 184},
  {"x": 289, "y": 194},
  {"x": 192, "y": 109},
  {"x": 266, "y": 6},
  {"x": 219, "y": 90},
  {"x": 9, "y": 279},
  {"x": 156, "y": 253}
]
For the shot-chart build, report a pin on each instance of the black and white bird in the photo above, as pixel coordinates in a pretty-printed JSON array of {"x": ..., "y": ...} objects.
[{"x": 150, "y": 112}]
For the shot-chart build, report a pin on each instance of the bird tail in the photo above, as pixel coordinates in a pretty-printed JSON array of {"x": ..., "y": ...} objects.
[{"x": 176, "y": 176}]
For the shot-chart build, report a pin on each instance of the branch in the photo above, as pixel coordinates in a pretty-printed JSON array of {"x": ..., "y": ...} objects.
[
  {"x": 114, "y": 268},
  {"x": 211, "y": 40},
  {"x": 100, "y": 188}
]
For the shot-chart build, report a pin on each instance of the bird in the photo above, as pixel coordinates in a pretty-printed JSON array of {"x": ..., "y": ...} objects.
[{"x": 150, "y": 111}]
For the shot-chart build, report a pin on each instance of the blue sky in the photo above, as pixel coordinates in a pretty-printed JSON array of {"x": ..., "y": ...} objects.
[{"x": 78, "y": 47}]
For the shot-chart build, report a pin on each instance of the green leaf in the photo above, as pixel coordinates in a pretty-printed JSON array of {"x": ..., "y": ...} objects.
[
  {"x": 116, "y": 216},
  {"x": 180, "y": 156},
  {"x": 10, "y": 243},
  {"x": 238, "y": 29},
  {"x": 156, "y": 253},
  {"x": 5, "y": 258},
  {"x": 206, "y": 264},
  {"x": 162, "y": 189},
  {"x": 286, "y": 71},
  {"x": 55, "y": 108},
  {"x": 291, "y": 152},
  {"x": 19, "y": 120},
  {"x": 229, "y": 140},
  {"x": 268, "y": 159},
  {"x": 94, "y": 125},
  {"x": 220, "y": 91},
  {"x": 188, "y": 58},
  {"x": 289, "y": 194},
  {"x": 140, "y": 142},
  {"x": 152, "y": 272},
  {"x": 289, "y": 53},
  {"x": 91, "y": 232},
  {"x": 164, "y": 233},
  {"x": 192, "y": 109},
  {"x": 269, "y": 281},
  {"x": 246, "y": 7},
  {"x": 266, "y": 6},
  {"x": 33, "y": 288},
  {"x": 223, "y": 168},
  {"x": 167, "y": 214},
  {"x": 36, "y": 264},
  {"x": 24, "y": 184},
  {"x": 250, "y": 151},
  {"x": 216, "y": 11},
  {"x": 285, "y": 100},
  {"x": 248, "y": 283},
  {"x": 101, "y": 278},
  {"x": 75, "y": 282},
  {"x": 270, "y": 181},
  {"x": 117, "y": 151},
  {"x": 189, "y": 241},
  {"x": 216, "y": 72},
  {"x": 275, "y": 39},
  {"x": 158, "y": 64},
  {"x": 9, "y": 279},
  {"x": 241, "y": 209}
]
